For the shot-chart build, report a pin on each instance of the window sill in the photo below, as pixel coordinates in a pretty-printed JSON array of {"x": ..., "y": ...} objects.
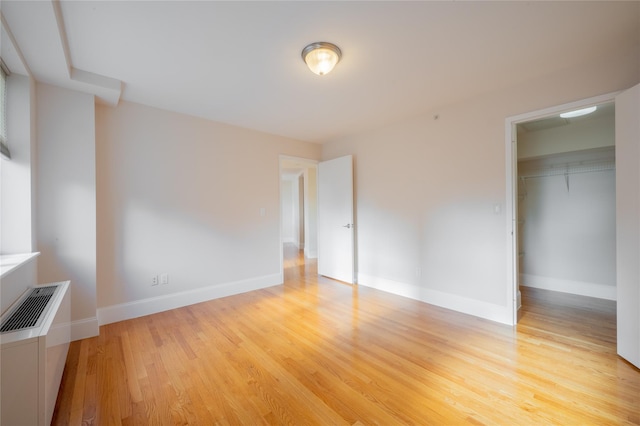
[{"x": 11, "y": 262}]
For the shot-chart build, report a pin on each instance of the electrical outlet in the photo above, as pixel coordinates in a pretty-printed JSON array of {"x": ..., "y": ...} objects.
[
  {"x": 164, "y": 279},
  {"x": 154, "y": 280}
]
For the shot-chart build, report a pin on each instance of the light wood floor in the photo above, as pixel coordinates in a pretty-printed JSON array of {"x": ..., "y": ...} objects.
[{"x": 314, "y": 351}]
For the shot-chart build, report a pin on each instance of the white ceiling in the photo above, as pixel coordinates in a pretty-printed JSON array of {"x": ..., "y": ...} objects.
[
  {"x": 239, "y": 62},
  {"x": 603, "y": 111}
]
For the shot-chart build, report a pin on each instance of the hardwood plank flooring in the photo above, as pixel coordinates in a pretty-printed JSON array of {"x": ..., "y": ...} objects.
[{"x": 315, "y": 351}]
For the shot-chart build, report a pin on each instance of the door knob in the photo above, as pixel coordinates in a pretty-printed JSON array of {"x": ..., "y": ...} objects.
[{"x": 348, "y": 226}]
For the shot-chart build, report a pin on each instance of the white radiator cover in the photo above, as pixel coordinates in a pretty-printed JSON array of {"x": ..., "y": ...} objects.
[{"x": 32, "y": 362}]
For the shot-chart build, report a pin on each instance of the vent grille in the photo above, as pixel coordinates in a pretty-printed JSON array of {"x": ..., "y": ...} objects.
[{"x": 29, "y": 311}]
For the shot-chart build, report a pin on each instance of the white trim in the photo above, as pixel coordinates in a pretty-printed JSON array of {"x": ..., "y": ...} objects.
[
  {"x": 601, "y": 291},
  {"x": 519, "y": 299},
  {"x": 62, "y": 33},
  {"x": 511, "y": 215},
  {"x": 490, "y": 311},
  {"x": 12, "y": 262},
  {"x": 511, "y": 190},
  {"x": 84, "y": 328},
  {"x": 15, "y": 45},
  {"x": 299, "y": 159},
  {"x": 138, "y": 308},
  {"x": 555, "y": 110},
  {"x": 105, "y": 88}
]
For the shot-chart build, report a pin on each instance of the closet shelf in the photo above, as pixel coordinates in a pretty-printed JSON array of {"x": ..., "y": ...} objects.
[{"x": 570, "y": 169}]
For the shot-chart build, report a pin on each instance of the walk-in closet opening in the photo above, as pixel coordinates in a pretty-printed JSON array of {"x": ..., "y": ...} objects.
[{"x": 566, "y": 205}]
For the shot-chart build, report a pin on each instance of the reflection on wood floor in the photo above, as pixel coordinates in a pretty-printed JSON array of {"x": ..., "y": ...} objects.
[{"x": 314, "y": 351}]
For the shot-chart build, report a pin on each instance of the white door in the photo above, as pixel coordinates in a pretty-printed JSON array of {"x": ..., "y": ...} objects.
[
  {"x": 628, "y": 223},
  {"x": 335, "y": 219}
]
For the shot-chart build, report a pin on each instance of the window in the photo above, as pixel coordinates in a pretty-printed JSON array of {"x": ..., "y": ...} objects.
[{"x": 3, "y": 111}]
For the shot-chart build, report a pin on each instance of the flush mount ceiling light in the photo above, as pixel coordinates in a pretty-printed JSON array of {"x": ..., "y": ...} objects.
[
  {"x": 578, "y": 112},
  {"x": 321, "y": 57}
]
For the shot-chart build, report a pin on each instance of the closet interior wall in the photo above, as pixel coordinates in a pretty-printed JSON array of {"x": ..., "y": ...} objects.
[{"x": 566, "y": 205}]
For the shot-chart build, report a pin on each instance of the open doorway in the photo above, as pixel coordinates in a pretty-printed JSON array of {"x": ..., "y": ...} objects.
[
  {"x": 561, "y": 201},
  {"x": 298, "y": 210}
]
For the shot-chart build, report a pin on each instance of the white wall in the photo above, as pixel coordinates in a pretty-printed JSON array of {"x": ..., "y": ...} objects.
[
  {"x": 298, "y": 212},
  {"x": 579, "y": 135},
  {"x": 311, "y": 210},
  {"x": 427, "y": 189},
  {"x": 17, "y": 226},
  {"x": 17, "y": 222},
  {"x": 66, "y": 199},
  {"x": 286, "y": 198},
  {"x": 182, "y": 195},
  {"x": 568, "y": 235},
  {"x": 295, "y": 210},
  {"x": 300, "y": 222}
]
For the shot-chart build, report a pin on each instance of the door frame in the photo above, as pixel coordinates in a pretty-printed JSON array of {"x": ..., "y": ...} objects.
[
  {"x": 511, "y": 208},
  {"x": 308, "y": 163}
]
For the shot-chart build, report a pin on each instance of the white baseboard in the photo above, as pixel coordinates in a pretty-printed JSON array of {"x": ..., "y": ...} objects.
[
  {"x": 84, "y": 328},
  {"x": 139, "y": 308},
  {"x": 310, "y": 254},
  {"x": 454, "y": 302},
  {"x": 288, "y": 240},
  {"x": 581, "y": 288},
  {"x": 519, "y": 299}
]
